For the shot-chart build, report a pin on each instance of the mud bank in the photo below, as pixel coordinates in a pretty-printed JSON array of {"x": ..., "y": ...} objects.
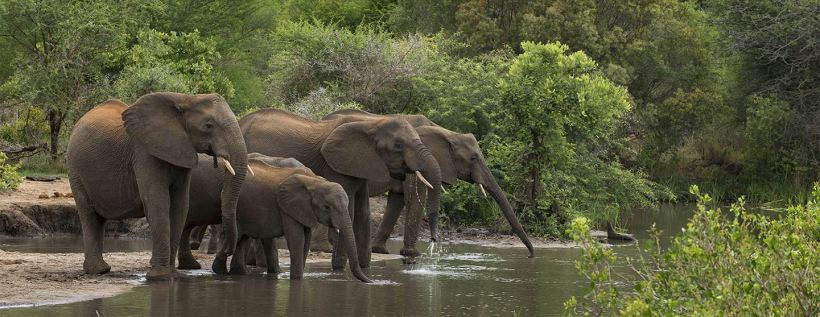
[
  {"x": 38, "y": 208},
  {"x": 32, "y": 279}
]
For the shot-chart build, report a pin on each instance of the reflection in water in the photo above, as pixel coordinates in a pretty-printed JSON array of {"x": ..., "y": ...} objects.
[{"x": 450, "y": 280}]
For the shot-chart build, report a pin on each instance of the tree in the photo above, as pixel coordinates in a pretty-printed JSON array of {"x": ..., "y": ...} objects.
[
  {"x": 65, "y": 47},
  {"x": 180, "y": 62}
]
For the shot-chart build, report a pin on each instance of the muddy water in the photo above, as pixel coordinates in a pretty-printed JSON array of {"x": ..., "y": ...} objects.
[{"x": 457, "y": 280}]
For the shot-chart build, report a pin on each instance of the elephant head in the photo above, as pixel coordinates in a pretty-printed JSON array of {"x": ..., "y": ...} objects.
[
  {"x": 378, "y": 150},
  {"x": 460, "y": 157},
  {"x": 312, "y": 200},
  {"x": 174, "y": 127}
]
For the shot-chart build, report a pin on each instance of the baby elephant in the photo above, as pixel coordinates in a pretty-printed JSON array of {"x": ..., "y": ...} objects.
[{"x": 273, "y": 202}]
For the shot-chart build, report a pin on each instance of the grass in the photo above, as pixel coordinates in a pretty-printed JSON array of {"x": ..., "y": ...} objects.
[{"x": 42, "y": 165}]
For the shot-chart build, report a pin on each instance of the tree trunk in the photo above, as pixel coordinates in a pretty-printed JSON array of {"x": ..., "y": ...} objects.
[{"x": 55, "y": 123}]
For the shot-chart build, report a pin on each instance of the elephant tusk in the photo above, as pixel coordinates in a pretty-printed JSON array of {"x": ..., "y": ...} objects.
[
  {"x": 444, "y": 190},
  {"x": 250, "y": 170},
  {"x": 423, "y": 180},
  {"x": 228, "y": 166},
  {"x": 482, "y": 190}
]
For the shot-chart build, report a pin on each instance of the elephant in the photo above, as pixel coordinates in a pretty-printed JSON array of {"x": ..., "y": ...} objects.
[
  {"x": 351, "y": 153},
  {"x": 135, "y": 161},
  {"x": 198, "y": 232},
  {"x": 274, "y": 202},
  {"x": 459, "y": 157}
]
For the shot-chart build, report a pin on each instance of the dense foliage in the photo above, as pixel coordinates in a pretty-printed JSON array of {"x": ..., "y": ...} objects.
[
  {"x": 638, "y": 97},
  {"x": 9, "y": 178},
  {"x": 742, "y": 263}
]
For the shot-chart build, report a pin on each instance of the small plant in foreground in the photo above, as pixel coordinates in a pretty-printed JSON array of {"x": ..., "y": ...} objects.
[
  {"x": 738, "y": 264},
  {"x": 9, "y": 178}
]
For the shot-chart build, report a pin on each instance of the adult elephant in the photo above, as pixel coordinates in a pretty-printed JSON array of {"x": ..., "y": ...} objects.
[
  {"x": 131, "y": 162},
  {"x": 351, "y": 153},
  {"x": 459, "y": 158},
  {"x": 275, "y": 202}
]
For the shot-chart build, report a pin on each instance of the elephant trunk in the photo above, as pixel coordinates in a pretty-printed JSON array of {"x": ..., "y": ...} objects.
[
  {"x": 432, "y": 173},
  {"x": 230, "y": 190},
  {"x": 507, "y": 210},
  {"x": 346, "y": 230}
]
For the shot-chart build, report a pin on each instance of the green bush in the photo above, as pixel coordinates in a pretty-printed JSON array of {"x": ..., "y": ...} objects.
[
  {"x": 739, "y": 263},
  {"x": 9, "y": 178}
]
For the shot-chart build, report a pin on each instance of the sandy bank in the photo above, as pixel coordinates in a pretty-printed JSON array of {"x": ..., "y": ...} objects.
[{"x": 53, "y": 278}]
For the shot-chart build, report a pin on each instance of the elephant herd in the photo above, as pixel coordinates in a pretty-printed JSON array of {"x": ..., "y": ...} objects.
[{"x": 184, "y": 160}]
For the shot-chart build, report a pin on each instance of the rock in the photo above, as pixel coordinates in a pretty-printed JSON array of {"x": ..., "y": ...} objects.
[{"x": 42, "y": 178}]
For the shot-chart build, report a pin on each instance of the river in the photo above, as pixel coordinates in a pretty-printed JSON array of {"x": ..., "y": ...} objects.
[{"x": 457, "y": 280}]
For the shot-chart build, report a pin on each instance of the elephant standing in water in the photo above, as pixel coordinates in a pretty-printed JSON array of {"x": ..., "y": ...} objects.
[
  {"x": 131, "y": 162},
  {"x": 458, "y": 156},
  {"x": 275, "y": 202},
  {"x": 349, "y": 153}
]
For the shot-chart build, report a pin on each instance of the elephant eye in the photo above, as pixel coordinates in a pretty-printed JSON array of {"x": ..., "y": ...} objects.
[
  {"x": 398, "y": 146},
  {"x": 208, "y": 126},
  {"x": 474, "y": 157}
]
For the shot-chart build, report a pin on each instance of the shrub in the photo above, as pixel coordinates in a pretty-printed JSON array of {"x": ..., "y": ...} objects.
[
  {"x": 9, "y": 178},
  {"x": 739, "y": 263}
]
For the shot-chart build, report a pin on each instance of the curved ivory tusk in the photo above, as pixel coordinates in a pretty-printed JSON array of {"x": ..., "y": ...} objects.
[
  {"x": 444, "y": 190},
  {"x": 228, "y": 166},
  {"x": 482, "y": 190},
  {"x": 250, "y": 170},
  {"x": 423, "y": 180}
]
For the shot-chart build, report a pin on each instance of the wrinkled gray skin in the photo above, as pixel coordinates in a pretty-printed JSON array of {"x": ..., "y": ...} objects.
[
  {"x": 274, "y": 202},
  {"x": 198, "y": 233},
  {"x": 130, "y": 162},
  {"x": 459, "y": 157},
  {"x": 348, "y": 153}
]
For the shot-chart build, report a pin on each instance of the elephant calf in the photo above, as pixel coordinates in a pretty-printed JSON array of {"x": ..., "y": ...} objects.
[{"x": 275, "y": 202}]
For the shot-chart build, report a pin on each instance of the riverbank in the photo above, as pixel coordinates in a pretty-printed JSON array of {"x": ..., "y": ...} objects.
[{"x": 34, "y": 279}]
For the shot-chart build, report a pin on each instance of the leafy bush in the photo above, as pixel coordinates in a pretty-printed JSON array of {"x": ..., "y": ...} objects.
[
  {"x": 180, "y": 62},
  {"x": 555, "y": 140},
  {"x": 738, "y": 264},
  {"x": 9, "y": 178}
]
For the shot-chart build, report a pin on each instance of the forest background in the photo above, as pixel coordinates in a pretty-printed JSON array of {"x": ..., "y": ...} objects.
[{"x": 583, "y": 108}]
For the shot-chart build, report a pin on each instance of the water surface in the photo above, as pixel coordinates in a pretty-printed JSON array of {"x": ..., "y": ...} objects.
[{"x": 460, "y": 280}]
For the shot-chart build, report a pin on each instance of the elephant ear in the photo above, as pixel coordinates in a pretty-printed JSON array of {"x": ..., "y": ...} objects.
[
  {"x": 154, "y": 121},
  {"x": 437, "y": 141},
  {"x": 351, "y": 150},
  {"x": 294, "y": 199}
]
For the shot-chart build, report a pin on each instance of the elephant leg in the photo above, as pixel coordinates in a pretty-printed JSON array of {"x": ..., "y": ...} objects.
[
  {"x": 213, "y": 241},
  {"x": 220, "y": 264},
  {"x": 178, "y": 215},
  {"x": 339, "y": 259},
  {"x": 250, "y": 252},
  {"x": 308, "y": 231},
  {"x": 321, "y": 240},
  {"x": 259, "y": 254},
  {"x": 238, "y": 259},
  {"x": 186, "y": 258},
  {"x": 154, "y": 191},
  {"x": 297, "y": 243},
  {"x": 93, "y": 226},
  {"x": 395, "y": 204},
  {"x": 196, "y": 236},
  {"x": 361, "y": 226},
  {"x": 271, "y": 256},
  {"x": 412, "y": 220}
]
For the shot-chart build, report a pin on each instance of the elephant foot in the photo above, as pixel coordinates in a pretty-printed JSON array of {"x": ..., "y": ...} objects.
[
  {"x": 409, "y": 252},
  {"x": 194, "y": 245},
  {"x": 379, "y": 248},
  {"x": 274, "y": 270},
  {"x": 161, "y": 273},
  {"x": 96, "y": 267},
  {"x": 189, "y": 264},
  {"x": 220, "y": 266}
]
